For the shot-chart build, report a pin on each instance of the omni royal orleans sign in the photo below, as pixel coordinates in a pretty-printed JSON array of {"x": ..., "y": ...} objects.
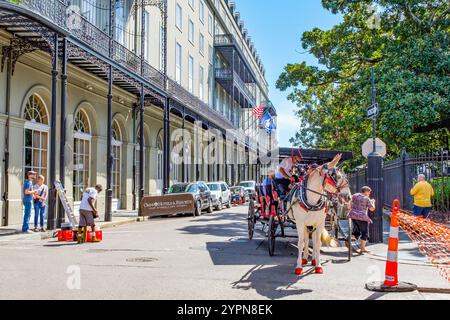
[{"x": 170, "y": 204}]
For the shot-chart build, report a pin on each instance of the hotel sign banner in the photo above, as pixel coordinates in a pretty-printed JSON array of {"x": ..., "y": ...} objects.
[{"x": 166, "y": 205}]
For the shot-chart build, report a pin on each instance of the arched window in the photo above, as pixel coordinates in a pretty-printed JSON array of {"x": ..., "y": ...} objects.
[
  {"x": 36, "y": 136},
  {"x": 116, "y": 154},
  {"x": 81, "y": 154}
]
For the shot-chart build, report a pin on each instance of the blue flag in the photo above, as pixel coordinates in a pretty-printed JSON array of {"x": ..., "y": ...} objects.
[{"x": 267, "y": 122}]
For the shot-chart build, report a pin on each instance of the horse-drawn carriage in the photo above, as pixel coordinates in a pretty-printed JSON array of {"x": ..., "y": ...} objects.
[{"x": 276, "y": 213}]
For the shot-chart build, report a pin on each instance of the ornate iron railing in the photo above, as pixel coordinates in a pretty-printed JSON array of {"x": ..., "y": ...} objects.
[
  {"x": 187, "y": 98},
  {"x": 90, "y": 34},
  {"x": 53, "y": 10},
  {"x": 153, "y": 75},
  {"x": 227, "y": 74},
  {"x": 126, "y": 57}
]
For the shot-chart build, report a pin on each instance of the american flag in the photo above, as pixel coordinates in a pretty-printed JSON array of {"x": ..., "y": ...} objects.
[{"x": 259, "y": 111}]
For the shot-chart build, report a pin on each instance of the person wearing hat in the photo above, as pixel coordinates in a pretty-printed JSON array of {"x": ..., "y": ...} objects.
[
  {"x": 88, "y": 213},
  {"x": 422, "y": 193},
  {"x": 27, "y": 200}
]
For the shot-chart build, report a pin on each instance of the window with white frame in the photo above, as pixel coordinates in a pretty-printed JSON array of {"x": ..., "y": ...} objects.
[
  {"x": 120, "y": 22},
  {"x": 201, "y": 44},
  {"x": 211, "y": 54},
  {"x": 201, "y": 84},
  {"x": 191, "y": 74},
  {"x": 210, "y": 24},
  {"x": 116, "y": 155},
  {"x": 81, "y": 154},
  {"x": 201, "y": 10},
  {"x": 191, "y": 31},
  {"x": 161, "y": 44},
  {"x": 36, "y": 136},
  {"x": 192, "y": 4},
  {"x": 147, "y": 35},
  {"x": 178, "y": 62},
  {"x": 179, "y": 17}
]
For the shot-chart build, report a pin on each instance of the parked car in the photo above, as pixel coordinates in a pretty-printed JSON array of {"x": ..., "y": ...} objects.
[
  {"x": 238, "y": 194},
  {"x": 250, "y": 187},
  {"x": 220, "y": 194},
  {"x": 201, "y": 192}
]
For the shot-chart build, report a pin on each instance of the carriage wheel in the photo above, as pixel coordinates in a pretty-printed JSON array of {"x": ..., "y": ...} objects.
[
  {"x": 251, "y": 220},
  {"x": 271, "y": 236}
]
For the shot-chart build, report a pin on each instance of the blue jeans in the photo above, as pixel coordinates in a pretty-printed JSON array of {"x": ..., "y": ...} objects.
[
  {"x": 39, "y": 212},
  {"x": 421, "y": 211},
  {"x": 26, "y": 215}
]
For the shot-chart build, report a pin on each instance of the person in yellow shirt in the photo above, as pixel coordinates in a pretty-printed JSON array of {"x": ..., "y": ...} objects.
[{"x": 422, "y": 193}]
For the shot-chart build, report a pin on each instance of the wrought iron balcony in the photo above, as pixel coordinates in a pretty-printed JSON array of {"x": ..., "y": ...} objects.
[
  {"x": 60, "y": 14},
  {"x": 194, "y": 103},
  {"x": 227, "y": 74}
]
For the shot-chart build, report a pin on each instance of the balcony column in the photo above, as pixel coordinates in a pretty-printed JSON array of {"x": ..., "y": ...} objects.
[
  {"x": 109, "y": 159},
  {"x": 166, "y": 169},
  {"x": 183, "y": 166},
  {"x": 51, "y": 218},
  {"x": 62, "y": 141},
  {"x": 141, "y": 148}
]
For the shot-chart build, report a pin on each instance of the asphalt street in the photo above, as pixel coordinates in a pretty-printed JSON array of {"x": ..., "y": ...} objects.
[{"x": 208, "y": 257}]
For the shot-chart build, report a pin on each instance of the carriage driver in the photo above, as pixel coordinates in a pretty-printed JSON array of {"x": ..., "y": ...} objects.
[{"x": 284, "y": 176}]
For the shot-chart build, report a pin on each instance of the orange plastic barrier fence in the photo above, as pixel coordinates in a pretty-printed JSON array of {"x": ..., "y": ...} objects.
[{"x": 433, "y": 240}]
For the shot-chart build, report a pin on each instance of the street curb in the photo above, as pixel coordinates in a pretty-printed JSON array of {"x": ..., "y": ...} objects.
[
  {"x": 8, "y": 232},
  {"x": 103, "y": 225}
]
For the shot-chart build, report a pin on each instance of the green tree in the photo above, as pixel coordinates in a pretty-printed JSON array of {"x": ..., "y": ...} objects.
[{"x": 407, "y": 42}]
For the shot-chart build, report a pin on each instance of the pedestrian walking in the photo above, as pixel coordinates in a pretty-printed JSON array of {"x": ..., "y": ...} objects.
[
  {"x": 88, "y": 211},
  {"x": 40, "y": 203},
  {"x": 27, "y": 200},
  {"x": 361, "y": 204},
  {"x": 422, "y": 193}
]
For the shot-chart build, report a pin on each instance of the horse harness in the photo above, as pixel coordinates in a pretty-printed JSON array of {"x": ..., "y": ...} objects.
[{"x": 299, "y": 194}]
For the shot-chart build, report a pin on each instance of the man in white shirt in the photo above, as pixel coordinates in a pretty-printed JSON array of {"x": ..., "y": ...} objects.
[
  {"x": 284, "y": 176},
  {"x": 88, "y": 212}
]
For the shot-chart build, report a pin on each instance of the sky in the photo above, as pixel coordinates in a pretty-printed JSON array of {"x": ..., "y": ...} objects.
[{"x": 276, "y": 28}]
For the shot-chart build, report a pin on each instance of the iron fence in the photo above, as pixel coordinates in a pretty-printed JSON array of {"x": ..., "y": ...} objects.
[{"x": 400, "y": 175}]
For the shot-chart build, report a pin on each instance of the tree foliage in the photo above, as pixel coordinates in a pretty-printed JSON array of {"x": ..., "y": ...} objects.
[{"x": 407, "y": 43}]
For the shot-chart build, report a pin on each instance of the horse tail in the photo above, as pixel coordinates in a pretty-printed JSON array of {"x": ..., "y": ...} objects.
[{"x": 327, "y": 239}]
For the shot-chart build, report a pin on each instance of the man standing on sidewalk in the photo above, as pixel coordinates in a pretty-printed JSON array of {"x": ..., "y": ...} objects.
[
  {"x": 422, "y": 193},
  {"x": 88, "y": 212},
  {"x": 28, "y": 200}
]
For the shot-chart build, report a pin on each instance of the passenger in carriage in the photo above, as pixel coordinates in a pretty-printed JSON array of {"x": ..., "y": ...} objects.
[
  {"x": 285, "y": 174},
  {"x": 269, "y": 189}
]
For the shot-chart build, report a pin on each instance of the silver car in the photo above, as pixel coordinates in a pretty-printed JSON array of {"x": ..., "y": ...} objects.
[{"x": 220, "y": 194}]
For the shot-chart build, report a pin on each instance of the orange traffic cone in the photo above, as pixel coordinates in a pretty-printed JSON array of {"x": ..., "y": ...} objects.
[
  {"x": 391, "y": 274},
  {"x": 391, "y": 283}
]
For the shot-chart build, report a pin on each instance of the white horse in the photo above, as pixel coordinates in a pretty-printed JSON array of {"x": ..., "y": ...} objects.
[{"x": 320, "y": 182}]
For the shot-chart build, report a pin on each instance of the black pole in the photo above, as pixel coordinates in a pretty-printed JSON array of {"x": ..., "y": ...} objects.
[
  {"x": 183, "y": 166},
  {"x": 109, "y": 160},
  {"x": 135, "y": 183},
  {"x": 62, "y": 141},
  {"x": 5, "y": 217},
  {"x": 51, "y": 218},
  {"x": 166, "y": 169},
  {"x": 141, "y": 149},
  {"x": 375, "y": 180}
]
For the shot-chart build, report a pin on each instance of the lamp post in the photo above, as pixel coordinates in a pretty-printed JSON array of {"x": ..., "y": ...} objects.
[{"x": 375, "y": 175}]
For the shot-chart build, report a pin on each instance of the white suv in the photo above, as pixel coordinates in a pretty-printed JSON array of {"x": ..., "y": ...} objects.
[{"x": 220, "y": 194}]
